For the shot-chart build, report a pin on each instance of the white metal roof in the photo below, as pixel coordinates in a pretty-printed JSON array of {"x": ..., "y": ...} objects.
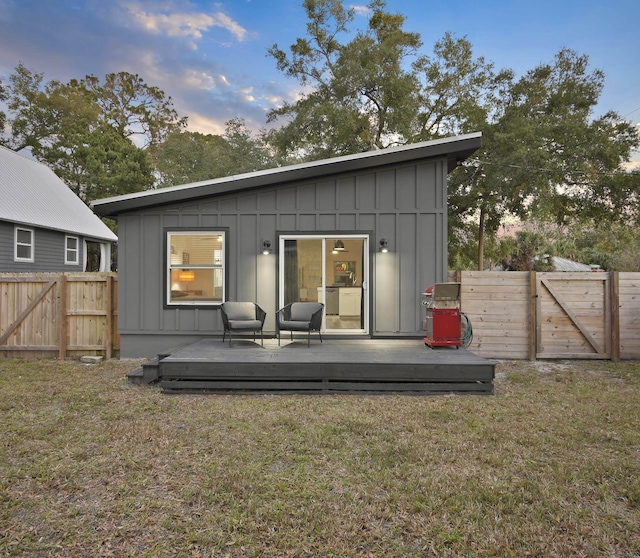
[
  {"x": 32, "y": 194},
  {"x": 563, "y": 264},
  {"x": 559, "y": 264}
]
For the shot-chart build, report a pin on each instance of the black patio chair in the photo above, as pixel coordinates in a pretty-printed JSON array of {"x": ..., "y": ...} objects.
[
  {"x": 242, "y": 316},
  {"x": 300, "y": 316}
]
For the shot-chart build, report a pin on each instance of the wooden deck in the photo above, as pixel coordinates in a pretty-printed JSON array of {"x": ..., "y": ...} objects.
[{"x": 363, "y": 365}]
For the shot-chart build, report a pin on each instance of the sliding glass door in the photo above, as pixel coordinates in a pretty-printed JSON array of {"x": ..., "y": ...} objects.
[{"x": 329, "y": 269}]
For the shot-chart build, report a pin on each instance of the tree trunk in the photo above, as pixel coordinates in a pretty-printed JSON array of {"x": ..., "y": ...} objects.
[{"x": 481, "y": 239}]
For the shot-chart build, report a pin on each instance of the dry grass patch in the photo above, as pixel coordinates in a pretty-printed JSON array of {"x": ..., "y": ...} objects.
[{"x": 92, "y": 466}]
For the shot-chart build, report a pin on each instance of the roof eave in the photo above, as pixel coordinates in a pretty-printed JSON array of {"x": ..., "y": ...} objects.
[{"x": 456, "y": 149}]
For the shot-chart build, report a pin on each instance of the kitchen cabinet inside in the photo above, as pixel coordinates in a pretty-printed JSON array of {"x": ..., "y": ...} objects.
[{"x": 350, "y": 301}]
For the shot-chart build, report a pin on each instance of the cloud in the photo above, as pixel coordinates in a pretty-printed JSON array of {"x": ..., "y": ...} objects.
[
  {"x": 197, "y": 79},
  {"x": 170, "y": 44},
  {"x": 223, "y": 20},
  {"x": 633, "y": 165},
  {"x": 205, "y": 124},
  {"x": 247, "y": 92},
  {"x": 360, "y": 10},
  {"x": 189, "y": 25}
]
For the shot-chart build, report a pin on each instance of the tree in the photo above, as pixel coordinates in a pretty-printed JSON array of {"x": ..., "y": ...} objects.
[
  {"x": 33, "y": 116},
  {"x": 244, "y": 151},
  {"x": 99, "y": 163},
  {"x": 459, "y": 93},
  {"x": 529, "y": 251},
  {"x": 85, "y": 130},
  {"x": 134, "y": 108},
  {"x": 185, "y": 157},
  {"x": 4, "y": 95},
  {"x": 361, "y": 97},
  {"x": 190, "y": 156},
  {"x": 376, "y": 90},
  {"x": 544, "y": 156},
  {"x": 612, "y": 246}
]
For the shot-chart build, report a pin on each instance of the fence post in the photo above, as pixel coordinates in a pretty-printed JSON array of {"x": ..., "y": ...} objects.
[
  {"x": 533, "y": 315},
  {"x": 109, "y": 320},
  {"x": 63, "y": 322},
  {"x": 615, "y": 316}
]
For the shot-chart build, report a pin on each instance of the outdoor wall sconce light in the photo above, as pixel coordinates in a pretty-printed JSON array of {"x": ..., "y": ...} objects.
[
  {"x": 384, "y": 245},
  {"x": 266, "y": 247}
]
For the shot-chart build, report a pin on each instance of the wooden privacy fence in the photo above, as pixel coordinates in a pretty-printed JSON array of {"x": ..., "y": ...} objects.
[
  {"x": 58, "y": 315},
  {"x": 515, "y": 315},
  {"x": 529, "y": 315}
]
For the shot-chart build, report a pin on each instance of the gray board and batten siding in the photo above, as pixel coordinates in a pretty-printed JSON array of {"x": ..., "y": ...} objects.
[{"x": 399, "y": 194}]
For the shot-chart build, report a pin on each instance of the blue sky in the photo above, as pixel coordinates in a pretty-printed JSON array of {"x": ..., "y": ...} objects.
[{"x": 210, "y": 57}]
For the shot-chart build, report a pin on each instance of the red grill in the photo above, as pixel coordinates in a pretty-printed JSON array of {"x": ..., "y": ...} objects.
[{"x": 442, "y": 303}]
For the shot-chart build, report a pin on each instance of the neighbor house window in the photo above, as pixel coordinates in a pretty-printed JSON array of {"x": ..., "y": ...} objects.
[
  {"x": 24, "y": 248},
  {"x": 71, "y": 251},
  {"x": 195, "y": 267}
]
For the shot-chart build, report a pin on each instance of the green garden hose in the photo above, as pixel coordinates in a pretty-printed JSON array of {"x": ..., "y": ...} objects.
[{"x": 466, "y": 330}]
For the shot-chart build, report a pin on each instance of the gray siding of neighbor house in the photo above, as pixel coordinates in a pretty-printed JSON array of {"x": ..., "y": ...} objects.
[
  {"x": 406, "y": 204},
  {"x": 49, "y": 251}
]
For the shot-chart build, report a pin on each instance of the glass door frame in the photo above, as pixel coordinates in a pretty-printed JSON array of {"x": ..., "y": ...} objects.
[{"x": 365, "y": 274}]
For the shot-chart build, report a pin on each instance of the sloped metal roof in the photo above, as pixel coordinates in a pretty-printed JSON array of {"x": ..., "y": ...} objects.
[
  {"x": 455, "y": 149},
  {"x": 563, "y": 264},
  {"x": 559, "y": 264},
  {"x": 32, "y": 194}
]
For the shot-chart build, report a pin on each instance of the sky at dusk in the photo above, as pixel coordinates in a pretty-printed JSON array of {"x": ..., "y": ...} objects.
[{"x": 211, "y": 57}]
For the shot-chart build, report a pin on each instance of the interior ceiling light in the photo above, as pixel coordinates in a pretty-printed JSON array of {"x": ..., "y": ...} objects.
[
  {"x": 338, "y": 247},
  {"x": 186, "y": 276}
]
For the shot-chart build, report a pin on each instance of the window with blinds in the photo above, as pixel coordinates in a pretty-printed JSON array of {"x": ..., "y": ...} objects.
[{"x": 196, "y": 267}]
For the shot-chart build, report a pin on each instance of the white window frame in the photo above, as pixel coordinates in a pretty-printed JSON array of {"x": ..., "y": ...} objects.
[
  {"x": 219, "y": 263},
  {"x": 67, "y": 250},
  {"x": 31, "y": 245}
]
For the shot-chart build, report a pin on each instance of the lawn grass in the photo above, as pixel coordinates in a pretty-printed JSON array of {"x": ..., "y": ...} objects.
[{"x": 548, "y": 466}]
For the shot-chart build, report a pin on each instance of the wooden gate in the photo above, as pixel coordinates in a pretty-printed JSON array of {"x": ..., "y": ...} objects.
[
  {"x": 573, "y": 315},
  {"x": 58, "y": 315}
]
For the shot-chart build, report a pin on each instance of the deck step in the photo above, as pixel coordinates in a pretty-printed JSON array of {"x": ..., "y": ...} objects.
[
  {"x": 136, "y": 376},
  {"x": 148, "y": 373},
  {"x": 325, "y": 386}
]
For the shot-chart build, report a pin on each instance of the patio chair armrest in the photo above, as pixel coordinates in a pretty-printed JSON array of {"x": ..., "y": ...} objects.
[
  {"x": 316, "y": 318},
  {"x": 260, "y": 314},
  {"x": 284, "y": 314},
  {"x": 225, "y": 318}
]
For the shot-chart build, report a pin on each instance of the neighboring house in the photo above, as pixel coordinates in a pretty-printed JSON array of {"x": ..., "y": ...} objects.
[
  {"x": 559, "y": 264},
  {"x": 365, "y": 234},
  {"x": 44, "y": 226}
]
